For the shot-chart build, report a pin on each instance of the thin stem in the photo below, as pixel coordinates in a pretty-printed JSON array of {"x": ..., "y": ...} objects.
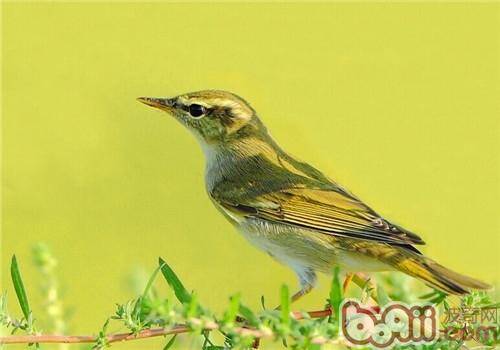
[
  {"x": 71, "y": 339},
  {"x": 147, "y": 333}
]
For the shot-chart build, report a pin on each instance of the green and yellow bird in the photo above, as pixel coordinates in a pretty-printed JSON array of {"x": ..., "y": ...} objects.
[{"x": 288, "y": 208}]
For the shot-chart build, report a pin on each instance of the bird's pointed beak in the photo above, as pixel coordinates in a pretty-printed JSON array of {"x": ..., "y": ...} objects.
[{"x": 165, "y": 104}]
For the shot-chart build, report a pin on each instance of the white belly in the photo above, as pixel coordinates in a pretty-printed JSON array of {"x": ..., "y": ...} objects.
[{"x": 316, "y": 251}]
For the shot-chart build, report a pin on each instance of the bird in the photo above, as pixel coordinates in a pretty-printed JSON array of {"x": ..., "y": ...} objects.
[{"x": 288, "y": 208}]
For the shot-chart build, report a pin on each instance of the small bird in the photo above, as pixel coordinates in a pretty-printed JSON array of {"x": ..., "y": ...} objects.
[{"x": 291, "y": 210}]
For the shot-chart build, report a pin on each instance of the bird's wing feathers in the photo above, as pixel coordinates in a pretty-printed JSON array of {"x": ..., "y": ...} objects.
[{"x": 324, "y": 210}]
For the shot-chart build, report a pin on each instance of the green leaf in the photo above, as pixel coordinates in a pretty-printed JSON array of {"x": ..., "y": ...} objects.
[
  {"x": 193, "y": 306},
  {"x": 3, "y": 303},
  {"x": 234, "y": 306},
  {"x": 141, "y": 300},
  {"x": 248, "y": 314},
  {"x": 492, "y": 306},
  {"x": 383, "y": 298},
  {"x": 336, "y": 292},
  {"x": 137, "y": 308},
  {"x": 170, "y": 342},
  {"x": 263, "y": 302},
  {"x": 439, "y": 299},
  {"x": 150, "y": 281},
  {"x": 285, "y": 305},
  {"x": 174, "y": 282},
  {"x": 19, "y": 288},
  {"x": 427, "y": 296}
]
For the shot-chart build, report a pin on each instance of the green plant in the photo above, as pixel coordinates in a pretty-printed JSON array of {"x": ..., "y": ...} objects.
[{"x": 151, "y": 315}]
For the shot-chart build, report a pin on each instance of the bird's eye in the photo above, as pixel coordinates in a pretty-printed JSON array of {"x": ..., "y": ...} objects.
[{"x": 196, "y": 110}]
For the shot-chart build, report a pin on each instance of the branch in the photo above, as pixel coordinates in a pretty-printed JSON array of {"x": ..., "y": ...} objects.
[
  {"x": 149, "y": 333},
  {"x": 72, "y": 339}
]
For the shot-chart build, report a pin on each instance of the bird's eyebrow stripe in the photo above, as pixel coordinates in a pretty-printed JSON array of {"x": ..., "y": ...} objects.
[{"x": 184, "y": 103}]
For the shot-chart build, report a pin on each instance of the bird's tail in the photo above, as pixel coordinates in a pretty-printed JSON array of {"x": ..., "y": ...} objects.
[{"x": 438, "y": 276}]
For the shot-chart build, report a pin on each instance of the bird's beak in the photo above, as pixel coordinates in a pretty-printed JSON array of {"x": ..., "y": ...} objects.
[{"x": 165, "y": 104}]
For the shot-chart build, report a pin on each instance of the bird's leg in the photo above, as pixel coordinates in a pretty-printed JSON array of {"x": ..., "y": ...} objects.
[
  {"x": 305, "y": 290},
  {"x": 365, "y": 282},
  {"x": 307, "y": 278},
  {"x": 347, "y": 281}
]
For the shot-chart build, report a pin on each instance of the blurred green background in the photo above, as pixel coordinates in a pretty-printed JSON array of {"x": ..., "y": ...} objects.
[{"x": 398, "y": 102}]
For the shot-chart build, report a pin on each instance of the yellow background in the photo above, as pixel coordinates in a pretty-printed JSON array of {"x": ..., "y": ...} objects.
[{"x": 398, "y": 102}]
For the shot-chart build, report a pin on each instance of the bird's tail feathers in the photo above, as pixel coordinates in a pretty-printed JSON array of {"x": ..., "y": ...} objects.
[{"x": 440, "y": 277}]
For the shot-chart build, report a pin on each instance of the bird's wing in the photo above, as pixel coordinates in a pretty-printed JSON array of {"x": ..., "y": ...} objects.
[{"x": 324, "y": 210}]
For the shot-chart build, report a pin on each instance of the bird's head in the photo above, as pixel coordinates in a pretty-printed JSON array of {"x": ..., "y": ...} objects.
[{"x": 214, "y": 116}]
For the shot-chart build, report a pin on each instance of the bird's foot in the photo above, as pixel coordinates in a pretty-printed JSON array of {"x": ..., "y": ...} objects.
[
  {"x": 347, "y": 281},
  {"x": 305, "y": 290}
]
